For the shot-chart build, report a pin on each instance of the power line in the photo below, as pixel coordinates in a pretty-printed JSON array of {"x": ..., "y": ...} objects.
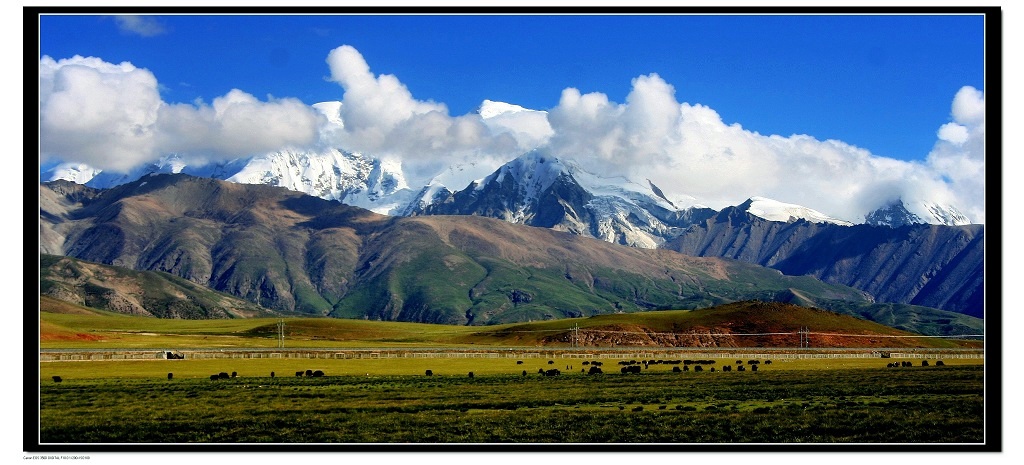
[{"x": 688, "y": 334}]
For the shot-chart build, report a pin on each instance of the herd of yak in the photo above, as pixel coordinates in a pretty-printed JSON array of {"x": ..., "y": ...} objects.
[{"x": 628, "y": 366}]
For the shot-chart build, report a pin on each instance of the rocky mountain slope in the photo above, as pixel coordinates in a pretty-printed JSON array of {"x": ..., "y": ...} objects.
[
  {"x": 290, "y": 252},
  {"x": 930, "y": 265},
  {"x": 143, "y": 293},
  {"x": 543, "y": 191}
]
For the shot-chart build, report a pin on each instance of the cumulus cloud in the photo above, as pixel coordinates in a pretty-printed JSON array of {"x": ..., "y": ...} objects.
[
  {"x": 690, "y": 153},
  {"x": 954, "y": 133},
  {"x": 111, "y": 117},
  {"x": 959, "y": 154},
  {"x": 530, "y": 128},
  {"x": 382, "y": 117},
  {"x": 145, "y": 26},
  {"x": 236, "y": 123},
  {"x": 95, "y": 112}
]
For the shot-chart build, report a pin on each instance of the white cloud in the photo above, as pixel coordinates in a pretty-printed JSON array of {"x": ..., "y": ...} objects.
[
  {"x": 236, "y": 123},
  {"x": 111, "y": 117},
  {"x": 969, "y": 106},
  {"x": 145, "y": 26},
  {"x": 689, "y": 152},
  {"x": 960, "y": 158},
  {"x": 96, "y": 112},
  {"x": 383, "y": 118},
  {"x": 952, "y": 132}
]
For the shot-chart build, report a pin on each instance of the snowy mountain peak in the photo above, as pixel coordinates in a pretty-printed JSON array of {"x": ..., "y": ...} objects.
[
  {"x": 79, "y": 173},
  {"x": 947, "y": 215},
  {"x": 532, "y": 172},
  {"x": 490, "y": 109},
  {"x": 332, "y": 110},
  {"x": 899, "y": 214},
  {"x": 773, "y": 210}
]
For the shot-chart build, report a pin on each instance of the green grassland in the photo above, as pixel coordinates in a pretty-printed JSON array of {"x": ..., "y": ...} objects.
[
  {"x": 261, "y": 368},
  {"x": 64, "y": 325},
  {"x": 391, "y": 400},
  {"x": 919, "y": 405}
]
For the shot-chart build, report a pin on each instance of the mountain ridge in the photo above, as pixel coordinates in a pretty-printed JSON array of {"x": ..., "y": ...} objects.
[
  {"x": 335, "y": 173},
  {"x": 293, "y": 252},
  {"x": 931, "y": 265},
  {"x": 543, "y": 191},
  {"x": 290, "y": 252}
]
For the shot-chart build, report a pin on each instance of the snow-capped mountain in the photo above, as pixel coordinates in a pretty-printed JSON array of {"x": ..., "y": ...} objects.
[
  {"x": 530, "y": 127},
  {"x": 370, "y": 183},
  {"x": 78, "y": 173},
  {"x": 490, "y": 109},
  {"x": 773, "y": 210},
  {"x": 531, "y": 189},
  {"x": 540, "y": 190},
  {"x": 899, "y": 214},
  {"x": 374, "y": 183}
]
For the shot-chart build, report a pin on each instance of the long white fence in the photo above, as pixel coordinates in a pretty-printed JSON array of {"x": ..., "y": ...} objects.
[{"x": 619, "y": 353}]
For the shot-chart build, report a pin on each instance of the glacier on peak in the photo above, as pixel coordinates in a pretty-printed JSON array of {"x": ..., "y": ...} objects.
[
  {"x": 78, "y": 173},
  {"x": 774, "y": 210},
  {"x": 490, "y": 109},
  {"x": 383, "y": 185},
  {"x": 538, "y": 189},
  {"x": 900, "y": 213}
]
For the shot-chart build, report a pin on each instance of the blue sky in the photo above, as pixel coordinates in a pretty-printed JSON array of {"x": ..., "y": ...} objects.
[
  {"x": 880, "y": 82},
  {"x": 841, "y": 113}
]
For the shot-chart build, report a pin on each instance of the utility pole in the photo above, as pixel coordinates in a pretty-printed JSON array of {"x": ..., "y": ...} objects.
[{"x": 280, "y": 334}]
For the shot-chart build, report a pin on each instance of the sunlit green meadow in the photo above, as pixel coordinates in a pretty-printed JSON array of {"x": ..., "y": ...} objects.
[
  {"x": 259, "y": 368},
  {"x": 393, "y": 400},
  {"x": 932, "y": 405}
]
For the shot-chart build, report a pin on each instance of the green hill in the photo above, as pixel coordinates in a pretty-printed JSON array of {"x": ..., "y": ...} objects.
[{"x": 740, "y": 324}]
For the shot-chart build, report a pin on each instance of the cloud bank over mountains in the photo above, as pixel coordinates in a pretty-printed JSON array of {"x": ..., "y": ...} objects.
[{"x": 111, "y": 116}]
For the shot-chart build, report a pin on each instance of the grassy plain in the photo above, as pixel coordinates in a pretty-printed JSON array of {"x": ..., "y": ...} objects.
[
  {"x": 392, "y": 401},
  {"x": 260, "y": 368},
  {"x": 774, "y": 405}
]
